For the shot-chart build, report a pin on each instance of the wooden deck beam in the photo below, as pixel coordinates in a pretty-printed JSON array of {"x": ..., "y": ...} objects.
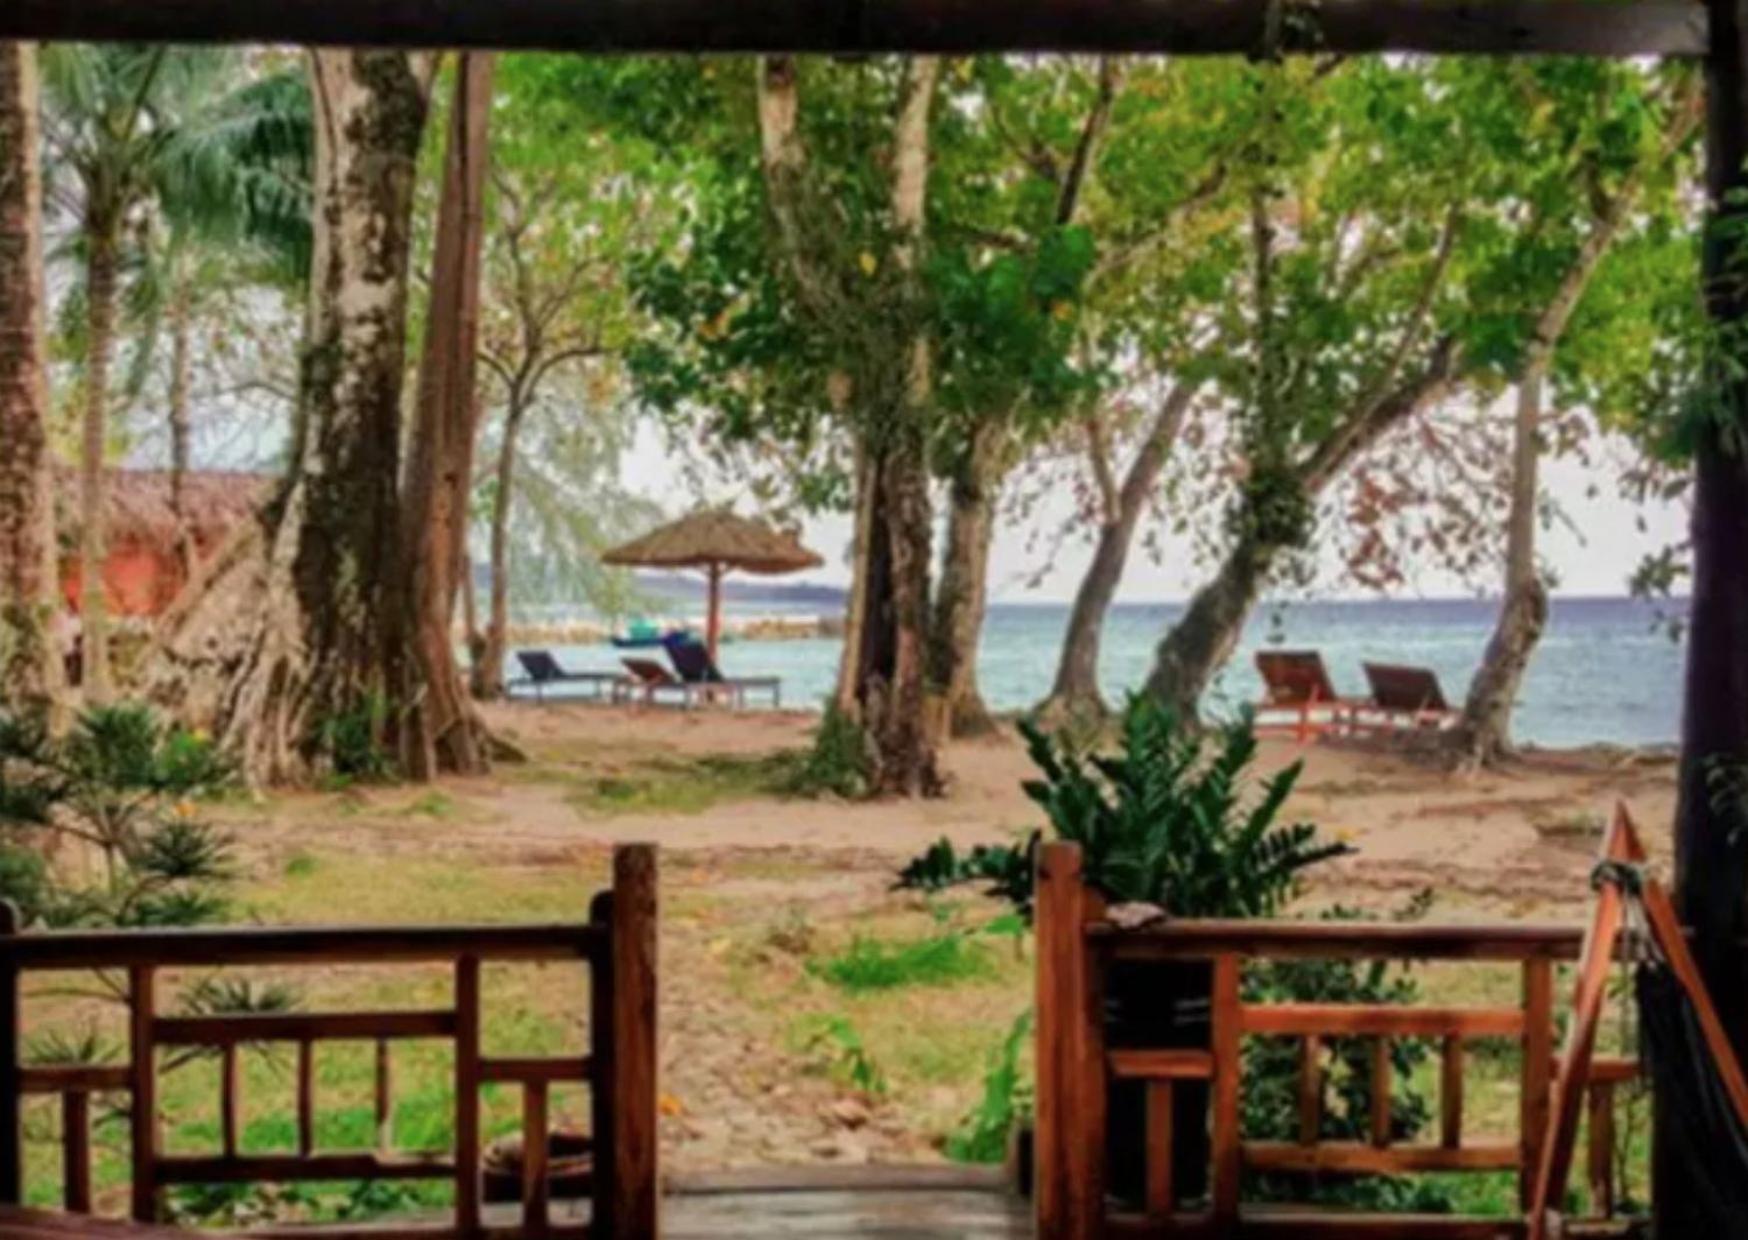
[{"x": 1183, "y": 27}]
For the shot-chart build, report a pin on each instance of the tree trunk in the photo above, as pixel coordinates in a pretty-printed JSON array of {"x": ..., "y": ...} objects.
[
  {"x": 488, "y": 672},
  {"x": 1074, "y": 698},
  {"x": 1711, "y": 845},
  {"x": 860, "y": 604},
  {"x": 181, "y": 384},
  {"x": 437, "y": 727},
  {"x": 962, "y": 597},
  {"x": 1199, "y": 644},
  {"x": 470, "y": 630},
  {"x": 294, "y": 636},
  {"x": 905, "y": 716},
  {"x": 1484, "y": 733},
  {"x": 1205, "y": 636},
  {"x": 30, "y": 657},
  {"x": 102, "y": 260},
  {"x": 888, "y": 690},
  {"x": 883, "y": 678}
]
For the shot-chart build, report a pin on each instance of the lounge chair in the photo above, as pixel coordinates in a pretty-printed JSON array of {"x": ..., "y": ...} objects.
[
  {"x": 1408, "y": 697},
  {"x": 1296, "y": 685},
  {"x": 645, "y": 679},
  {"x": 543, "y": 671},
  {"x": 692, "y": 660}
]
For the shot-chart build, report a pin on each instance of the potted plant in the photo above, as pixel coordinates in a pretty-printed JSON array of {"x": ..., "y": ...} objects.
[{"x": 1173, "y": 818}]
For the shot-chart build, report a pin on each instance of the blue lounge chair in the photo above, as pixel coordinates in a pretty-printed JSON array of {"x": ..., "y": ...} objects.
[
  {"x": 543, "y": 671},
  {"x": 692, "y": 661}
]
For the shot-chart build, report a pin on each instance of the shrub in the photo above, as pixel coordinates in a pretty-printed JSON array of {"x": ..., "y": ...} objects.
[
  {"x": 839, "y": 763},
  {"x": 939, "y": 960},
  {"x": 1006, "y": 1102},
  {"x": 1168, "y": 819},
  {"x": 351, "y": 742},
  {"x": 24, "y": 881},
  {"x": 1004, "y": 871},
  {"x": 124, "y": 782}
]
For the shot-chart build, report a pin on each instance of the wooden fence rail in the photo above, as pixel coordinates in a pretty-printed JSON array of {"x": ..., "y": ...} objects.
[
  {"x": 1077, "y": 943},
  {"x": 617, "y": 942}
]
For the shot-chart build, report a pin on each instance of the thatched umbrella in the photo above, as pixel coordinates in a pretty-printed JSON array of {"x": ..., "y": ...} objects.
[{"x": 717, "y": 541}]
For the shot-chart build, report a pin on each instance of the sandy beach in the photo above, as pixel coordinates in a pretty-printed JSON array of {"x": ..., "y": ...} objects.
[{"x": 1511, "y": 842}]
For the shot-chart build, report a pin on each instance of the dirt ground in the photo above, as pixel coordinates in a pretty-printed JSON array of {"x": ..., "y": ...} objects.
[
  {"x": 1516, "y": 842},
  {"x": 759, "y": 888}
]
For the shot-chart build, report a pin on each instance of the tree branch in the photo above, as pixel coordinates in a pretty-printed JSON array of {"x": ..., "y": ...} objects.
[{"x": 1097, "y": 121}]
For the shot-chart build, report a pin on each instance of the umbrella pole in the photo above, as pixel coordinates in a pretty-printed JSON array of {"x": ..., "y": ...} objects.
[{"x": 713, "y": 626}]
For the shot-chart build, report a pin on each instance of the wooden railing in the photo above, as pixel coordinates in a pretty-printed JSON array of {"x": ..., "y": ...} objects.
[
  {"x": 618, "y": 943},
  {"x": 1076, "y": 945}
]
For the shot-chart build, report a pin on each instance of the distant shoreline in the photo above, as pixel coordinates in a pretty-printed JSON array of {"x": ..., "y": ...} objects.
[
  {"x": 771, "y": 628},
  {"x": 764, "y": 618}
]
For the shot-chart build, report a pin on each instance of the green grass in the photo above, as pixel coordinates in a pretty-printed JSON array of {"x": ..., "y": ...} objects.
[
  {"x": 944, "y": 959},
  {"x": 868, "y": 994},
  {"x": 682, "y": 786},
  {"x": 436, "y": 805},
  {"x": 529, "y": 1011}
]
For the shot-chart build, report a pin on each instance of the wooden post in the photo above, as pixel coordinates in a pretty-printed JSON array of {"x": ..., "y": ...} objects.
[
  {"x": 11, "y": 1095},
  {"x": 713, "y": 620},
  {"x": 536, "y": 1191},
  {"x": 1228, "y": 1067},
  {"x": 467, "y": 1086},
  {"x": 1070, "y": 1145},
  {"x": 142, "y": 1002},
  {"x": 1538, "y": 1071},
  {"x": 1711, "y": 865},
  {"x": 385, "y": 1097},
  {"x": 306, "y": 1097},
  {"x": 1450, "y": 1093},
  {"x": 601, "y": 1060},
  {"x": 76, "y": 1151},
  {"x": 633, "y": 1186}
]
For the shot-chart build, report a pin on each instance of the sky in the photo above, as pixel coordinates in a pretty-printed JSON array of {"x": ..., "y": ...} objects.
[{"x": 1591, "y": 554}]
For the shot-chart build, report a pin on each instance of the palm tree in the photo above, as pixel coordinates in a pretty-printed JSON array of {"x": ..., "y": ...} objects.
[
  {"x": 188, "y": 136},
  {"x": 30, "y": 664}
]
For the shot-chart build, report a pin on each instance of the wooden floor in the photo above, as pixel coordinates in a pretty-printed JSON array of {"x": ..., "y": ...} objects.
[
  {"x": 902, "y": 1204},
  {"x": 873, "y": 1203}
]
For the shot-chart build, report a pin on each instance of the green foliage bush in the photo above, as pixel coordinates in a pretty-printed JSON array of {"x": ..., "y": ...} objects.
[
  {"x": 1006, "y": 872},
  {"x": 123, "y": 782},
  {"x": 352, "y": 742},
  {"x": 839, "y": 762},
  {"x": 1169, "y": 819},
  {"x": 24, "y": 881}
]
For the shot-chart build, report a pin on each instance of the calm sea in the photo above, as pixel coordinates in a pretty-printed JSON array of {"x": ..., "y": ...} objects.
[{"x": 1608, "y": 670}]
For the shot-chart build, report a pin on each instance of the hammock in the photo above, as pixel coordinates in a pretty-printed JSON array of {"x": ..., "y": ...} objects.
[
  {"x": 1700, "y": 1086},
  {"x": 1702, "y": 1122}
]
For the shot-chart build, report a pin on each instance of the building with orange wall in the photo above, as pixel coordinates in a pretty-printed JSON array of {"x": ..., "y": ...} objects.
[{"x": 146, "y": 568}]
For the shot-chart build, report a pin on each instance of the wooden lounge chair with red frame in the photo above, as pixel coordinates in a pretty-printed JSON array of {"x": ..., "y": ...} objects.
[
  {"x": 646, "y": 679},
  {"x": 1296, "y": 685},
  {"x": 1404, "y": 697}
]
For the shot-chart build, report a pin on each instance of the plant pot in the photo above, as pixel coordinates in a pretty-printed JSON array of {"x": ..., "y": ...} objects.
[
  {"x": 1158, "y": 1005},
  {"x": 570, "y": 1167}
]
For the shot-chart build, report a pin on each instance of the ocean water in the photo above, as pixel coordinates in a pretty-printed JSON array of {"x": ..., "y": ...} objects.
[{"x": 1607, "y": 670}]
